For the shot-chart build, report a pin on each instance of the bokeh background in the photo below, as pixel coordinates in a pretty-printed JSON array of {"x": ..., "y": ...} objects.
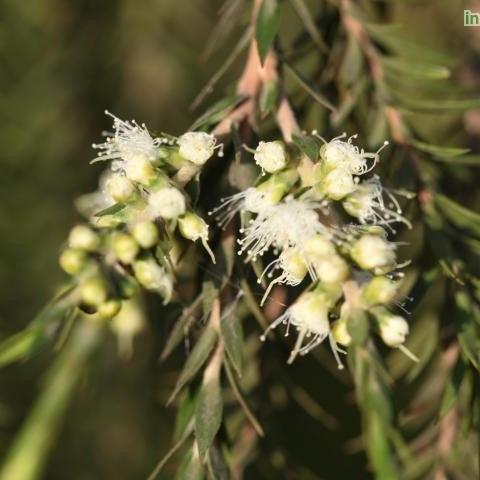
[{"x": 61, "y": 64}]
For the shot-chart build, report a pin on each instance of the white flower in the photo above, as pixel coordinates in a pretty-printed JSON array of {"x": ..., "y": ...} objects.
[
  {"x": 287, "y": 224},
  {"x": 293, "y": 269},
  {"x": 372, "y": 252},
  {"x": 338, "y": 153},
  {"x": 366, "y": 203},
  {"x": 393, "y": 330},
  {"x": 337, "y": 183},
  {"x": 193, "y": 227},
  {"x": 271, "y": 156},
  {"x": 197, "y": 147},
  {"x": 309, "y": 315},
  {"x": 168, "y": 203},
  {"x": 132, "y": 148}
]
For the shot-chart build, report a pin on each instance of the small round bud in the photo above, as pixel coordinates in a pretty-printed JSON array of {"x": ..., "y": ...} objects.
[
  {"x": 393, "y": 330},
  {"x": 167, "y": 203},
  {"x": 359, "y": 203},
  {"x": 371, "y": 252},
  {"x": 109, "y": 309},
  {"x": 146, "y": 234},
  {"x": 197, "y": 147},
  {"x": 153, "y": 277},
  {"x": 311, "y": 313},
  {"x": 127, "y": 286},
  {"x": 294, "y": 265},
  {"x": 331, "y": 269},
  {"x": 83, "y": 237},
  {"x": 120, "y": 188},
  {"x": 379, "y": 291},
  {"x": 271, "y": 156},
  {"x": 125, "y": 247},
  {"x": 93, "y": 291},
  {"x": 72, "y": 261},
  {"x": 192, "y": 227},
  {"x": 107, "y": 221},
  {"x": 139, "y": 169},
  {"x": 338, "y": 183},
  {"x": 340, "y": 332},
  {"x": 317, "y": 247}
]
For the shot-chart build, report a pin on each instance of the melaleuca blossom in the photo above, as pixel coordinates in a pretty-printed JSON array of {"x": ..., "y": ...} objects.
[
  {"x": 139, "y": 213},
  {"x": 301, "y": 223}
]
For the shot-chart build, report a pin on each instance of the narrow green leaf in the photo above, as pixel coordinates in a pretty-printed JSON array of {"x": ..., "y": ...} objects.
[
  {"x": 209, "y": 294},
  {"x": 352, "y": 62},
  {"x": 18, "y": 346},
  {"x": 438, "y": 105},
  {"x": 357, "y": 326},
  {"x": 195, "y": 360},
  {"x": 309, "y": 23},
  {"x": 439, "y": 151},
  {"x": 459, "y": 216},
  {"x": 310, "y": 146},
  {"x": 191, "y": 467},
  {"x": 267, "y": 26},
  {"x": 268, "y": 97},
  {"x": 298, "y": 77},
  {"x": 217, "y": 466},
  {"x": 112, "y": 210},
  {"x": 208, "y": 415},
  {"x": 232, "y": 334},
  {"x": 417, "y": 70},
  {"x": 217, "y": 111},
  {"x": 241, "y": 399}
]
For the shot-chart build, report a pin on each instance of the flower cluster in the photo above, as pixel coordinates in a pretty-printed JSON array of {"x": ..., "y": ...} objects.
[
  {"x": 135, "y": 216},
  {"x": 326, "y": 221}
]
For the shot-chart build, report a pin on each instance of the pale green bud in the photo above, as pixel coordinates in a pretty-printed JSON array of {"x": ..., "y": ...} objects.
[
  {"x": 139, "y": 169},
  {"x": 192, "y": 227},
  {"x": 167, "y": 203},
  {"x": 108, "y": 221},
  {"x": 331, "y": 269},
  {"x": 72, "y": 260},
  {"x": 317, "y": 247},
  {"x": 372, "y": 252},
  {"x": 83, "y": 237},
  {"x": 121, "y": 189},
  {"x": 340, "y": 332},
  {"x": 380, "y": 291},
  {"x": 393, "y": 329},
  {"x": 337, "y": 184},
  {"x": 146, "y": 234},
  {"x": 125, "y": 247},
  {"x": 109, "y": 309},
  {"x": 93, "y": 291},
  {"x": 293, "y": 264},
  {"x": 153, "y": 277}
]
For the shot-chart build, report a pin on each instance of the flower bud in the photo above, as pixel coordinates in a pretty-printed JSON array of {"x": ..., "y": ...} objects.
[
  {"x": 153, "y": 277},
  {"x": 146, "y": 234},
  {"x": 379, "y": 291},
  {"x": 197, "y": 147},
  {"x": 120, "y": 188},
  {"x": 340, "y": 332},
  {"x": 271, "y": 156},
  {"x": 371, "y": 252},
  {"x": 294, "y": 265},
  {"x": 337, "y": 184},
  {"x": 331, "y": 269},
  {"x": 359, "y": 203},
  {"x": 93, "y": 291},
  {"x": 109, "y": 309},
  {"x": 311, "y": 313},
  {"x": 72, "y": 261},
  {"x": 107, "y": 221},
  {"x": 167, "y": 203},
  {"x": 83, "y": 237},
  {"x": 193, "y": 227},
  {"x": 125, "y": 247},
  {"x": 317, "y": 247},
  {"x": 393, "y": 329},
  {"x": 139, "y": 169}
]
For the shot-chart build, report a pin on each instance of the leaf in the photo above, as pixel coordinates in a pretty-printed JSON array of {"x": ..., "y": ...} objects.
[
  {"x": 352, "y": 62},
  {"x": 267, "y": 26},
  {"x": 297, "y": 76},
  {"x": 439, "y": 151},
  {"x": 218, "y": 111},
  {"x": 308, "y": 145},
  {"x": 418, "y": 70},
  {"x": 195, "y": 360},
  {"x": 217, "y": 466},
  {"x": 438, "y": 105},
  {"x": 184, "y": 415},
  {"x": 459, "y": 216},
  {"x": 241, "y": 400},
  {"x": 268, "y": 97},
  {"x": 232, "y": 334},
  {"x": 452, "y": 389},
  {"x": 309, "y": 23},
  {"x": 357, "y": 326},
  {"x": 111, "y": 210},
  {"x": 208, "y": 415},
  {"x": 191, "y": 467},
  {"x": 469, "y": 332},
  {"x": 209, "y": 294}
]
